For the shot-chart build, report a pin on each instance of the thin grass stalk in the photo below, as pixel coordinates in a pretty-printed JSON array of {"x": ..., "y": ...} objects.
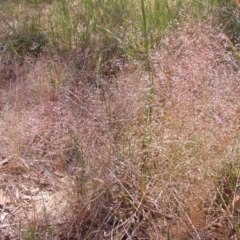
[
  {"x": 67, "y": 24},
  {"x": 149, "y": 68},
  {"x": 147, "y": 139}
]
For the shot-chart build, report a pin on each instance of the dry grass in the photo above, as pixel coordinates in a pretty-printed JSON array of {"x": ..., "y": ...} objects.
[{"x": 80, "y": 161}]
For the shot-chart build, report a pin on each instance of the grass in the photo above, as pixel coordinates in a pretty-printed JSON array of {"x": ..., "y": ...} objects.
[{"x": 119, "y": 120}]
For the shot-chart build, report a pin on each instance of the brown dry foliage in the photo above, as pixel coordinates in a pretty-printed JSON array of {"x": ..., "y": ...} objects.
[{"x": 80, "y": 161}]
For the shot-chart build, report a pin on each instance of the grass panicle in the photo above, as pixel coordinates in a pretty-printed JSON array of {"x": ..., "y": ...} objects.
[{"x": 119, "y": 119}]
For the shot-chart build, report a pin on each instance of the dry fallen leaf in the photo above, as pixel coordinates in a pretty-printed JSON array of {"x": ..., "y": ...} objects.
[
  {"x": 3, "y": 162},
  {"x": 1, "y": 198},
  {"x": 3, "y": 216}
]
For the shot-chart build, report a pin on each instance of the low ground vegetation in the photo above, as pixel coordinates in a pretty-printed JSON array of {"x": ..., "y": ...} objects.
[{"x": 119, "y": 124}]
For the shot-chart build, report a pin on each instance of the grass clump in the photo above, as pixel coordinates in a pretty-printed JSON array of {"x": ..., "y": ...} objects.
[
  {"x": 227, "y": 184},
  {"x": 23, "y": 34},
  {"x": 227, "y": 18},
  {"x": 28, "y": 44},
  {"x": 111, "y": 30},
  {"x": 228, "y": 195},
  {"x": 114, "y": 127}
]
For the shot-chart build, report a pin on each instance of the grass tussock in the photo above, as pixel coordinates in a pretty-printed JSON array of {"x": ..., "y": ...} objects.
[{"x": 113, "y": 128}]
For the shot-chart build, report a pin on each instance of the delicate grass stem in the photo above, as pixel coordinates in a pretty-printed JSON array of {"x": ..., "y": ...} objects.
[
  {"x": 148, "y": 61},
  {"x": 149, "y": 98}
]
